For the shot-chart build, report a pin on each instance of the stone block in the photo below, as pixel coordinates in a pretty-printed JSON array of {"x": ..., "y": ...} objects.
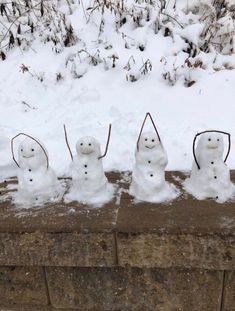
[
  {"x": 229, "y": 291},
  {"x": 185, "y": 251},
  {"x": 57, "y": 249},
  {"x": 23, "y": 285},
  {"x": 134, "y": 289}
]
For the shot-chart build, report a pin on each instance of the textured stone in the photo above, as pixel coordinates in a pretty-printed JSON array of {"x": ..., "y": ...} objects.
[
  {"x": 4, "y": 307},
  {"x": 229, "y": 291},
  {"x": 135, "y": 289},
  {"x": 185, "y": 215},
  {"x": 57, "y": 249},
  {"x": 23, "y": 285},
  {"x": 186, "y": 251}
]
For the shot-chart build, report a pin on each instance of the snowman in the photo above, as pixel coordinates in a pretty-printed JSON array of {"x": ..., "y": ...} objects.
[
  {"x": 148, "y": 177},
  {"x": 37, "y": 182},
  {"x": 89, "y": 184},
  {"x": 210, "y": 176}
]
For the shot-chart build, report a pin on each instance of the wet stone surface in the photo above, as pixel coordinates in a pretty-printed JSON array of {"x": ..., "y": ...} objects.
[{"x": 184, "y": 215}]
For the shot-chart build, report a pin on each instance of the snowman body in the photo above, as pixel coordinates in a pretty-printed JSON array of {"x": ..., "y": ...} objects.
[
  {"x": 148, "y": 176},
  {"x": 212, "y": 179},
  {"x": 37, "y": 184},
  {"x": 89, "y": 183}
]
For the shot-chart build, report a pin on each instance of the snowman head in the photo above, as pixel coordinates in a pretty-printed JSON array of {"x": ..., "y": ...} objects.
[
  {"x": 31, "y": 151},
  {"x": 88, "y": 146},
  {"x": 211, "y": 142},
  {"x": 149, "y": 141}
]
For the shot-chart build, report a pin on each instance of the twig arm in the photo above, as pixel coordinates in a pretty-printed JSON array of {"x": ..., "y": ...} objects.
[
  {"x": 67, "y": 142},
  {"x": 107, "y": 143}
]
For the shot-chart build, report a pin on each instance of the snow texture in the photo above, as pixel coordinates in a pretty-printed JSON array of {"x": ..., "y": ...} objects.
[
  {"x": 89, "y": 183},
  {"x": 212, "y": 178},
  {"x": 45, "y": 84},
  {"x": 148, "y": 177},
  {"x": 37, "y": 183}
]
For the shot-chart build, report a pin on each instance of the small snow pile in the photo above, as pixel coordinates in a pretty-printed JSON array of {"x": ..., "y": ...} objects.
[
  {"x": 37, "y": 182},
  {"x": 210, "y": 176},
  {"x": 148, "y": 177},
  {"x": 89, "y": 183}
]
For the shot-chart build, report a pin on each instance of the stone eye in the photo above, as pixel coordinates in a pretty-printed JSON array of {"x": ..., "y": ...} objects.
[
  {"x": 153, "y": 140},
  {"x": 21, "y": 150},
  {"x": 146, "y": 139},
  {"x": 81, "y": 144},
  {"x": 209, "y": 139},
  {"x": 218, "y": 139},
  {"x": 89, "y": 144},
  {"x": 32, "y": 150}
]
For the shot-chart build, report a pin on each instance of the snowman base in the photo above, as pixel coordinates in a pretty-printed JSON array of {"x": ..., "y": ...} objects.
[
  {"x": 24, "y": 198},
  {"x": 166, "y": 193},
  {"x": 96, "y": 198},
  {"x": 219, "y": 194}
]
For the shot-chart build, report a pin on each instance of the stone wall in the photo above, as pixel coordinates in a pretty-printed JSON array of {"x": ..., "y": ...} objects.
[{"x": 121, "y": 257}]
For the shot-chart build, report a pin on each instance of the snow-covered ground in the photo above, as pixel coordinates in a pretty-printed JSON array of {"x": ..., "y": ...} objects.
[{"x": 103, "y": 95}]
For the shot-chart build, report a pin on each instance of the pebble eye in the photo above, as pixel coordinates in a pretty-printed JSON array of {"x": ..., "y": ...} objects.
[
  {"x": 21, "y": 150},
  {"x": 218, "y": 139},
  {"x": 146, "y": 139},
  {"x": 209, "y": 139},
  {"x": 81, "y": 144},
  {"x": 153, "y": 140},
  {"x": 32, "y": 149},
  {"x": 89, "y": 144}
]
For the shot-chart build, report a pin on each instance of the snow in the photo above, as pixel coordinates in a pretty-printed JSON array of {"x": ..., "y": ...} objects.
[
  {"x": 37, "y": 182},
  {"x": 102, "y": 95},
  {"x": 89, "y": 183},
  {"x": 210, "y": 176},
  {"x": 148, "y": 177}
]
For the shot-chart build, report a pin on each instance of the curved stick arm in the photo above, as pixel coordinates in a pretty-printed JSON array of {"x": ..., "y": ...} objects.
[
  {"x": 142, "y": 127},
  {"x": 67, "y": 142},
  {"x": 210, "y": 131},
  {"x": 12, "y": 147},
  {"x": 107, "y": 143}
]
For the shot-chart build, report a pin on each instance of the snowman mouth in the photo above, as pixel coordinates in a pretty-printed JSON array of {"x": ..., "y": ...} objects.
[
  {"x": 211, "y": 147},
  {"x": 28, "y": 157},
  {"x": 86, "y": 152},
  {"x": 149, "y": 147}
]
